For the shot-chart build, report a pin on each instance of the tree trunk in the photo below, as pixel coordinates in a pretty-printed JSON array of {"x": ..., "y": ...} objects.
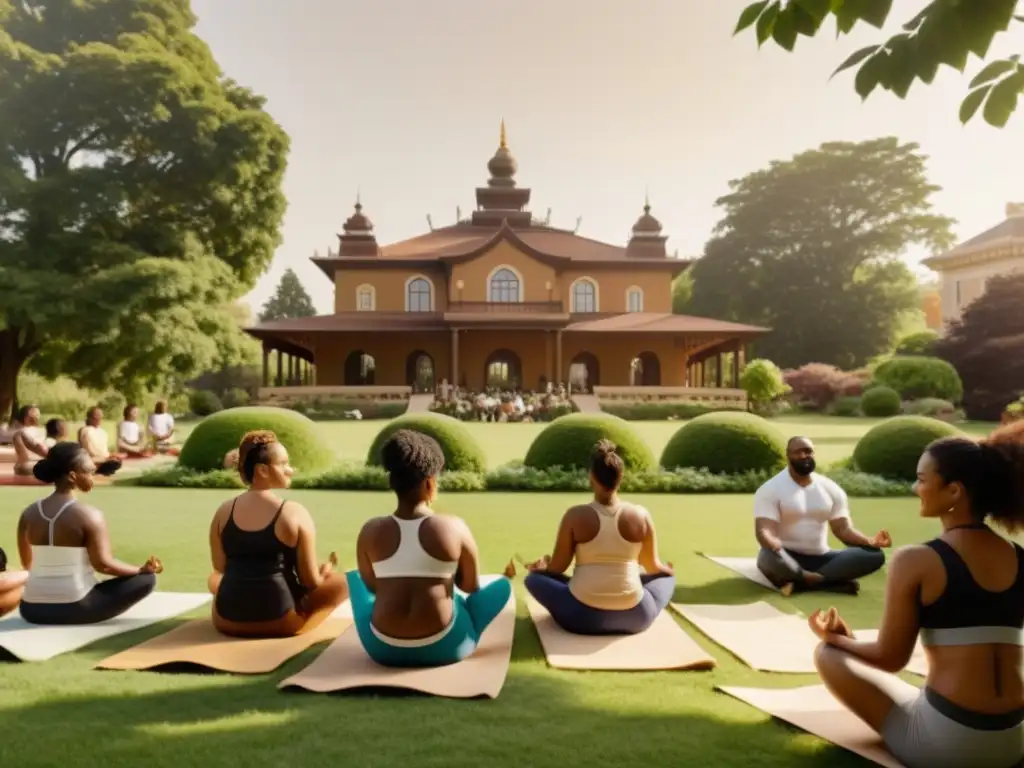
[{"x": 17, "y": 345}]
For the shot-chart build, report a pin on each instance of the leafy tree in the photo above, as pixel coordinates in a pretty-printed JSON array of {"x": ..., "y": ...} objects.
[
  {"x": 289, "y": 300},
  {"x": 140, "y": 194},
  {"x": 986, "y": 346},
  {"x": 943, "y": 32},
  {"x": 682, "y": 291},
  {"x": 809, "y": 247},
  {"x": 763, "y": 382}
]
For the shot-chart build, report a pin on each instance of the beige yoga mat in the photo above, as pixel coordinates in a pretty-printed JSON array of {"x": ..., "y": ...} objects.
[
  {"x": 197, "y": 642},
  {"x": 745, "y": 567},
  {"x": 345, "y": 666},
  {"x": 665, "y": 645},
  {"x": 813, "y": 709},
  {"x": 32, "y": 642}
]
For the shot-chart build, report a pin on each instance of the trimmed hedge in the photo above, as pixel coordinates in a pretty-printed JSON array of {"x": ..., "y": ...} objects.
[
  {"x": 917, "y": 377},
  {"x": 881, "y": 402},
  {"x": 656, "y": 411},
  {"x": 462, "y": 451},
  {"x": 893, "y": 448},
  {"x": 518, "y": 478},
  {"x": 568, "y": 442},
  {"x": 726, "y": 443},
  {"x": 214, "y": 436}
]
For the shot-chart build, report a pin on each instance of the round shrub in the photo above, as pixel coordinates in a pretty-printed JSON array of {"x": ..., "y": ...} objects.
[
  {"x": 235, "y": 398},
  {"x": 893, "y": 448},
  {"x": 917, "y": 377},
  {"x": 846, "y": 406},
  {"x": 726, "y": 443},
  {"x": 569, "y": 441},
  {"x": 214, "y": 436},
  {"x": 920, "y": 343},
  {"x": 931, "y": 406},
  {"x": 202, "y": 402},
  {"x": 880, "y": 401},
  {"x": 462, "y": 451}
]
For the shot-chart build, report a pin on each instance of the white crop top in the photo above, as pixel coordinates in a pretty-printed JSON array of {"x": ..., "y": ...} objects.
[
  {"x": 410, "y": 560},
  {"x": 58, "y": 574}
]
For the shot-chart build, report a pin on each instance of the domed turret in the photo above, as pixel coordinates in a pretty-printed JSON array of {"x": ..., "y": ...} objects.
[
  {"x": 358, "y": 238},
  {"x": 647, "y": 241},
  {"x": 503, "y": 165},
  {"x": 501, "y": 201},
  {"x": 358, "y": 223},
  {"x": 647, "y": 224}
]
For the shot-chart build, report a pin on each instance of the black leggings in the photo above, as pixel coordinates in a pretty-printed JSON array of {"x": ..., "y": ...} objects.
[{"x": 106, "y": 600}]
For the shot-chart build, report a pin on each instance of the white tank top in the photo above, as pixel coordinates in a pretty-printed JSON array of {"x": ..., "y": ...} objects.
[
  {"x": 410, "y": 560},
  {"x": 607, "y": 573},
  {"x": 58, "y": 574}
]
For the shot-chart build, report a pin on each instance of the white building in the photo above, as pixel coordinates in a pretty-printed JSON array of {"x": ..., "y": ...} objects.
[{"x": 964, "y": 271}]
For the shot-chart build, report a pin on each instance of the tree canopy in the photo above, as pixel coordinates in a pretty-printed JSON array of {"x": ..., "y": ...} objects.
[
  {"x": 809, "y": 247},
  {"x": 986, "y": 346},
  {"x": 289, "y": 300},
  {"x": 140, "y": 194},
  {"x": 944, "y": 32}
]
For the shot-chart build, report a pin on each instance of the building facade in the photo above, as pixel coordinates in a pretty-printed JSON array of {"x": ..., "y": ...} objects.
[
  {"x": 502, "y": 299},
  {"x": 966, "y": 270}
]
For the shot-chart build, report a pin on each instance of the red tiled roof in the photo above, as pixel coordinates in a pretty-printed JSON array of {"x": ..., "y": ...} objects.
[
  {"x": 353, "y": 321},
  {"x": 661, "y": 322}
]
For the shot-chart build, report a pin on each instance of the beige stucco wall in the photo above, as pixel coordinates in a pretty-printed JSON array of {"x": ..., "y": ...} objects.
[
  {"x": 970, "y": 281},
  {"x": 389, "y": 287}
]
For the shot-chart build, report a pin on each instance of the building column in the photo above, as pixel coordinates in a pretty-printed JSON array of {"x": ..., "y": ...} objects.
[
  {"x": 736, "y": 365},
  {"x": 280, "y": 369},
  {"x": 547, "y": 357},
  {"x": 718, "y": 370},
  {"x": 455, "y": 358},
  {"x": 558, "y": 356},
  {"x": 266, "y": 365}
]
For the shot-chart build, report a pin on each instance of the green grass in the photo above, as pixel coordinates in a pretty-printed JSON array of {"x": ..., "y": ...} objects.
[
  {"x": 834, "y": 436},
  {"x": 543, "y": 719}
]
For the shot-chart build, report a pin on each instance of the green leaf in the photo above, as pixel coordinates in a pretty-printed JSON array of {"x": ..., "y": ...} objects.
[
  {"x": 749, "y": 15},
  {"x": 1002, "y": 101},
  {"x": 902, "y": 69},
  {"x": 766, "y": 22},
  {"x": 816, "y": 9},
  {"x": 804, "y": 22},
  {"x": 869, "y": 76},
  {"x": 784, "y": 32},
  {"x": 875, "y": 12},
  {"x": 856, "y": 58},
  {"x": 970, "y": 105},
  {"x": 994, "y": 70}
]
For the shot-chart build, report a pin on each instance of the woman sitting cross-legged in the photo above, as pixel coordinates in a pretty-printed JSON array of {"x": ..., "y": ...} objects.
[
  {"x": 610, "y": 540},
  {"x": 63, "y": 543},
  {"x": 404, "y": 605},
  {"x": 964, "y": 593},
  {"x": 12, "y": 584},
  {"x": 265, "y": 580}
]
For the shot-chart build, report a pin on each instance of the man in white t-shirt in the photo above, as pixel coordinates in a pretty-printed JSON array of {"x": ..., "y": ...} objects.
[
  {"x": 161, "y": 428},
  {"x": 792, "y": 515}
]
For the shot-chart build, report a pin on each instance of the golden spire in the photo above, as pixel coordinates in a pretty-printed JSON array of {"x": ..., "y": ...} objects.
[{"x": 502, "y": 143}]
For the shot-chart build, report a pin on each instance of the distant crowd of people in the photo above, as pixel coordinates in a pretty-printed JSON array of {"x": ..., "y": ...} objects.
[
  {"x": 32, "y": 441},
  {"x": 501, "y": 404}
]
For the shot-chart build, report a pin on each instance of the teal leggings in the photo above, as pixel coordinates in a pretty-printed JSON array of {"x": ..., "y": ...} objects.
[{"x": 470, "y": 617}]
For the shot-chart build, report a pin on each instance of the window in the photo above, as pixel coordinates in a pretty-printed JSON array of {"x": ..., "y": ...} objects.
[
  {"x": 584, "y": 296},
  {"x": 419, "y": 295},
  {"x": 959, "y": 303},
  {"x": 366, "y": 298},
  {"x": 504, "y": 286},
  {"x": 634, "y": 300}
]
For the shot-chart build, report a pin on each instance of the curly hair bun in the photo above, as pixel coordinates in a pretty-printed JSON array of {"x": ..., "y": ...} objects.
[
  {"x": 605, "y": 447},
  {"x": 45, "y": 471}
]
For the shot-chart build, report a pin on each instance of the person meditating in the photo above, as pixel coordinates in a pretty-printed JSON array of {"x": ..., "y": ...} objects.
[
  {"x": 792, "y": 514},
  {"x": 404, "y": 606},
  {"x": 963, "y": 592},
  {"x": 28, "y": 445},
  {"x": 12, "y": 584},
  {"x": 56, "y": 432},
  {"x": 160, "y": 427},
  {"x": 610, "y": 540},
  {"x": 265, "y": 580},
  {"x": 63, "y": 543},
  {"x": 93, "y": 438},
  {"x": 130, "y": 442}
]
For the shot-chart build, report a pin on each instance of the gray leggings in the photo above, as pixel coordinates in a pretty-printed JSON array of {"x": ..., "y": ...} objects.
[
  {"x": 930, "y": 731},
  {"x": 837, "y": 566}
]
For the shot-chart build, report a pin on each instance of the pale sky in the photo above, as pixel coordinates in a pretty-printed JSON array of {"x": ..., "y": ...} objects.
[{"x": 402, "y": 99}]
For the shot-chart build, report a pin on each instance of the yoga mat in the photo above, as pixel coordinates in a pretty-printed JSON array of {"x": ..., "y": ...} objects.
[
  {"x": 745, "y": 567},
  {"x": 31, "y": 642},
  {"x": 665, "y": 645},
  {"x": 813, "y": 709},
  {"x": 197, "y": 642},
  {"x": 758, "y": 634},
  {"x": 345, "y": 666}
]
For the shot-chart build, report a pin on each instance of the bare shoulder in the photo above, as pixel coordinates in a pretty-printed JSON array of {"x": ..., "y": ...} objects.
[
  {"x": 579, "y": 512},
  {"x": 450, "y": 523},
  {"x": 912, "y": 559},
  {"x": 374, "y": 525},
  {"x": 87, "y": 512}
]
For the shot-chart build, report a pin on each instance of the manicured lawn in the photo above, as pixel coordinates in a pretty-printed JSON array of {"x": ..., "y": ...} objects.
[
  {"x": 543, "y": 718},
  {"x": 835, "y": 437}
]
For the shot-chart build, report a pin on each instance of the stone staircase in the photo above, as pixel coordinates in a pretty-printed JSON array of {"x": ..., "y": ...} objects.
[
  {"x": 419, "y": 403},
  {"x": 587, "y": 403}
]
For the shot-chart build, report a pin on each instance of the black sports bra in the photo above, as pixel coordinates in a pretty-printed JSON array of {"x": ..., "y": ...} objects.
[{"x": 966, "y": 613}]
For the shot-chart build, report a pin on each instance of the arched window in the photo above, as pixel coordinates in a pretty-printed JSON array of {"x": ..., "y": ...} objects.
[
  {"x": 504, "y": 286},
  {"x": 419, "y": 295},
  {"x": 634, "y": 299},
  {"x": 366, "y": 298},
  {"x": 584, "y": 295}
]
